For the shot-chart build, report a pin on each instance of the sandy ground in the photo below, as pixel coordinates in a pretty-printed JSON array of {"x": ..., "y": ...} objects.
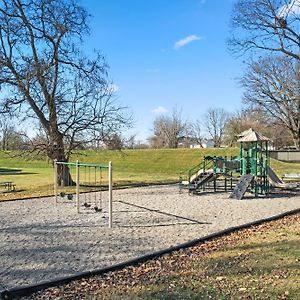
[{"x": 43, "y": 240}]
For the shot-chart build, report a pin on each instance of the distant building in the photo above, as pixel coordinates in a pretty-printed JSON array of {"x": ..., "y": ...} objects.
[
  {"x": 195, "y": 146},
  {"x": 205, "y": 144},
  {"x": 187, "y": 142},
  {"x": 208, "y": 144}
]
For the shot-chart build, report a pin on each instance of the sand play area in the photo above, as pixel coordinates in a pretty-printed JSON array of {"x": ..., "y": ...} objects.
[{"x": 42, "y": 240}]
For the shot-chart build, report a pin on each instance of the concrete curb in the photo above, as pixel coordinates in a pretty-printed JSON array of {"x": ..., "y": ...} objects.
[{"x": 7, "y": 294}]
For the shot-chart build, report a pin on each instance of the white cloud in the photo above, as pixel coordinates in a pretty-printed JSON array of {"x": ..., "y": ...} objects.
[
  {"x": 288, "y": 9},
  {"x": 159, "y": 110},
  {"x": 186, "y": 40}
]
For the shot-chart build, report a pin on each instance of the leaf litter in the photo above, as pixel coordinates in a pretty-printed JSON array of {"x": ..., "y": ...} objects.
[{"x": 194, "y": 269}]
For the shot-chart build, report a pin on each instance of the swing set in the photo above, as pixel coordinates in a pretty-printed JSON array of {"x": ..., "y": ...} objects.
[{"x": 88, "y": 183}]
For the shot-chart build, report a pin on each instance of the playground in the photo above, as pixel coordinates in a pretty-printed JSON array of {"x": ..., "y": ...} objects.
[
  {"x": 250, "y": 171},
  {"x": 84, "y": 228},
  {"x": 43, "y": 240}
]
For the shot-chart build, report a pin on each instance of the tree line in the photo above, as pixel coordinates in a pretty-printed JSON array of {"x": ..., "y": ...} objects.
[
  {"x": 219, "y": 127},
  {"x": 216, "y": 128}
]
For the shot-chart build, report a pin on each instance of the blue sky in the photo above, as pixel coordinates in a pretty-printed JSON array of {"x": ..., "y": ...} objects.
[{"x": 167, "y": 53}]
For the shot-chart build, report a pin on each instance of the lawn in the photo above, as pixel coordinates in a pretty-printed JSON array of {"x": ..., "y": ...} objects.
[
  {"x": 34, "y": 176},
  {"x": 261, "y": 262}
]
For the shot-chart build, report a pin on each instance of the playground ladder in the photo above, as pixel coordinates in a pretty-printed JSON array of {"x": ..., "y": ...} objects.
[{"x": 201, "y": 180}]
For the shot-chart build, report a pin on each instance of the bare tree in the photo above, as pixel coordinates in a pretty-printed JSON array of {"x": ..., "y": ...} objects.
[
  {"x": 270, "y": 25},
  {"x": 44, "y": 75},
  {"x": 273, "y": 84},
  {"x": 244, "y": 120},
  {"x": 157, "y": 141},
  {"x": 168, "y": 129},
  {"x": 114, "y": 142},
  {"x": 10, "y": 137},
  {"x": 259, "y": 120},
  {"x": 216, "y": 119},
  {"x": 196, "y": 132},
  {"x": 130, "y": 142},
  {"x": 6, "y": 128}
]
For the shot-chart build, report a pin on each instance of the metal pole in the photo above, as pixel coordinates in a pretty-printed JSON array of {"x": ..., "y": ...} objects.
[
  {"x": 77, "y": 185},
  {"x": 110, "y": 194},
  {"x": 55, "y": 180}
]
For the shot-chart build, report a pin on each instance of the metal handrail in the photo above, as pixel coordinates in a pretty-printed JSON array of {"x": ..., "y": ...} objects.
[{"x": 204, "y": 165}]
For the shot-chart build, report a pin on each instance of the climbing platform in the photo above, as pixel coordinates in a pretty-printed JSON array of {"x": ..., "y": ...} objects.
[{"x": 241, "y": 187}]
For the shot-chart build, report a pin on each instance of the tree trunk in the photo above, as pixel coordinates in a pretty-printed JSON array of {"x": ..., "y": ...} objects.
[
  {"x": 4, "y": 140},
  {"x": 64, "y": 177},
  {"x": 56, "y": 152},
  {"x": 297, "y": 140}
]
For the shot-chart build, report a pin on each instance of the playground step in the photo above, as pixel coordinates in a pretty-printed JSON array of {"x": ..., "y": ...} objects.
[
  {"x": 241, "y": 187},
  {"x": 202, "y": 177},
  {"x": 201, "y": 180}
]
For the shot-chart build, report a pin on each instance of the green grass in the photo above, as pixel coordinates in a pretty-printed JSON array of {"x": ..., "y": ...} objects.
[
  {"x": 34, "y": 177},
  {"x": 284, "y": 167}
]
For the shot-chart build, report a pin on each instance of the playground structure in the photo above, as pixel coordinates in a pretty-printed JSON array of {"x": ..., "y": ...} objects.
[
  {"x": 87, "y": 188},
  {"x": 248, "y": 171}
]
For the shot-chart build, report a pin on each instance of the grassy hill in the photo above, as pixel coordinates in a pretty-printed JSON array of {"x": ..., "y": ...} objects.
[{"x": 34, "y": 176}]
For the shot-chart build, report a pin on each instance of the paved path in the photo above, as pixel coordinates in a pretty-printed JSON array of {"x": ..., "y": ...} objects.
[{"x": 43, "y": 240}]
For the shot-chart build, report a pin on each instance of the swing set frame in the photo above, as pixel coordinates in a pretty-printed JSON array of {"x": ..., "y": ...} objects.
[{"x": 77, "y": 166}]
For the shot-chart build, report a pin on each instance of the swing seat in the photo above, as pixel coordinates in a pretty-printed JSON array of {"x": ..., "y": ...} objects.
[{"x": 86, "y": 205}]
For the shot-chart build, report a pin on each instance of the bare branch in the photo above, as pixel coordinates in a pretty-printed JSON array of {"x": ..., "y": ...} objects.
[{"x": 265, "y": 25}]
